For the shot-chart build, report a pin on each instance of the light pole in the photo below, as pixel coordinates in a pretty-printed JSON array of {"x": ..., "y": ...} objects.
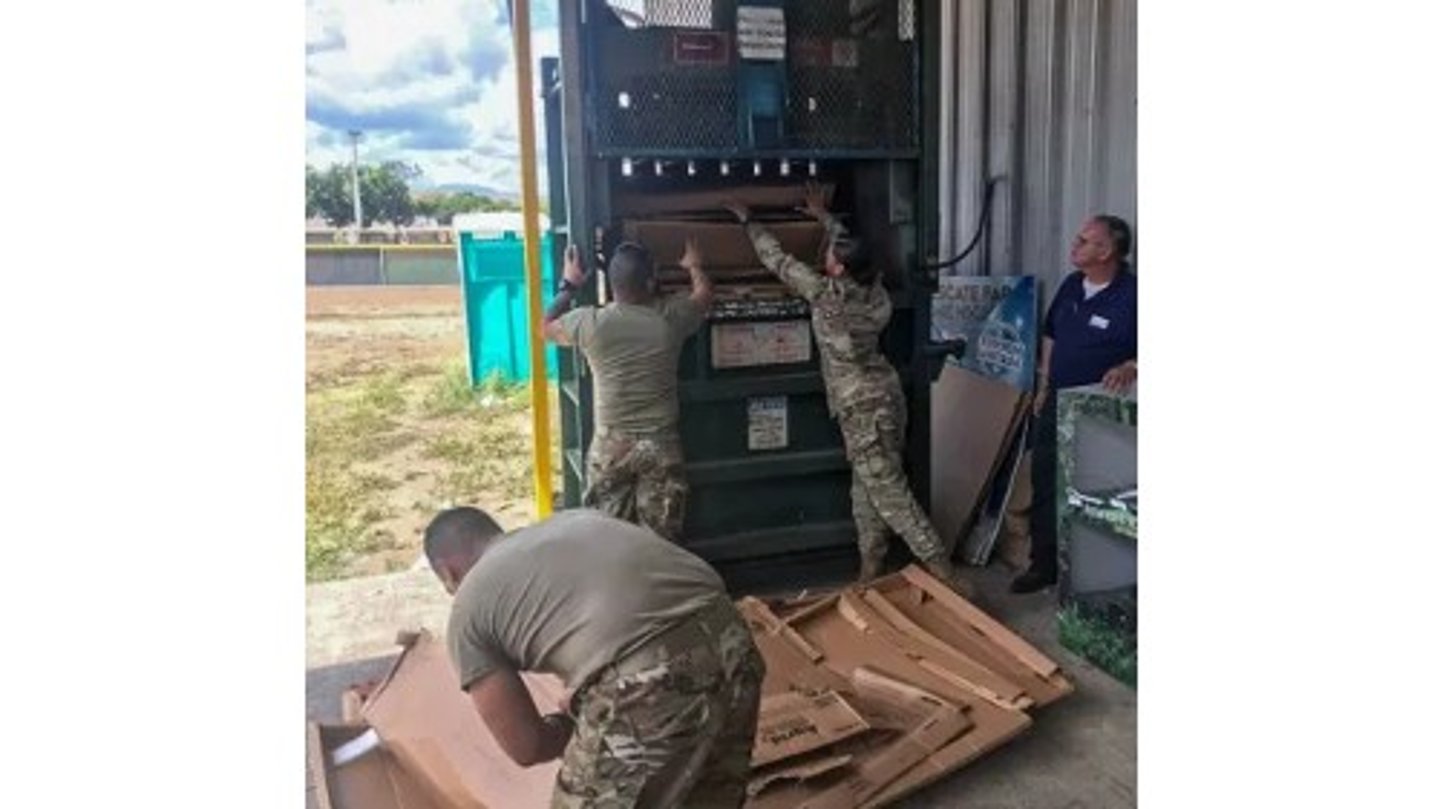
[{"x": 355, "y": 179}]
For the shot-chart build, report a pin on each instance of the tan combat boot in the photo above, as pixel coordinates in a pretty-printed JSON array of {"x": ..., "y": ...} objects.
[{"x": 941, "y": 568}]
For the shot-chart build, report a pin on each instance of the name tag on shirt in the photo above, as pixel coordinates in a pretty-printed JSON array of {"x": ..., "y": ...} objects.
[{"x": 1098, "y": 322}]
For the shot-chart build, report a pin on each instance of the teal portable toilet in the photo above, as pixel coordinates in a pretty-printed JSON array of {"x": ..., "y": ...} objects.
[{"x": 496, "y": 316}]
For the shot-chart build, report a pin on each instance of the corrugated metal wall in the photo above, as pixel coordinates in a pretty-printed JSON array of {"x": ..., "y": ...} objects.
[{"x": 1043, "y": 93}]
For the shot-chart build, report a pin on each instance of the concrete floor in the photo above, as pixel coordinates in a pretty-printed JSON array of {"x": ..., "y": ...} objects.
[{"x": 1080, "y": 753}]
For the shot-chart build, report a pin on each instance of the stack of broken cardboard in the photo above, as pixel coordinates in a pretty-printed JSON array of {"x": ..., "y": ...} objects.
[
  {"x": 936, "y": 682},
  {"x": 870, "y": 694}
]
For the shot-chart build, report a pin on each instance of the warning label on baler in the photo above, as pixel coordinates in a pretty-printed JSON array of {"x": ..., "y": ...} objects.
[
  {"x": 769, "y": 423},
  {"x": 742, "y": 345},
  {"x": 761, "y": 32}
]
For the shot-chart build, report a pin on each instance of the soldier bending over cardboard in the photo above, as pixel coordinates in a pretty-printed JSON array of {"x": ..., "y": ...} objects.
[{"x": 663, "y": 674}]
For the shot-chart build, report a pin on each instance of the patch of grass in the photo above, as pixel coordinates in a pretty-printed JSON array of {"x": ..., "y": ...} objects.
[
  {"x": 475, "y": 445},
  {"x": 486, "y": 454},
  {"x": 338, "y": 521},
  {"x": 450, "y": 394},
  {"x": 1112, "y": 651},
  {"x": 344, "y": 426},
  {"x": 372, "y": 482},
  {"x": 383, "y": 394},
  {"x": 409, "y": 372},
  {"x": 356, "y": 423},
  {"x": 450, "y": 448}
]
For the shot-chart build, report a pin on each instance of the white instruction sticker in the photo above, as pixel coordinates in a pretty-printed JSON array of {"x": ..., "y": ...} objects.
[
  {"x": 760, "y": 31},
  {"x": 769, "y": 423},
  {"x": 742, "y": 345}
]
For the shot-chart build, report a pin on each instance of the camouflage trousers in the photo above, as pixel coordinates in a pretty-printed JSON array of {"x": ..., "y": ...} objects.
[
  {"x": 880, "y": 496},
  {"x": 639, "y": 479},
  {"x": 671, "y": 724}
]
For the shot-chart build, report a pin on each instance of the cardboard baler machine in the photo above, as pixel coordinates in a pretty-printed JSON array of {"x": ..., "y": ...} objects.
[{"x": 657, "y": 112}]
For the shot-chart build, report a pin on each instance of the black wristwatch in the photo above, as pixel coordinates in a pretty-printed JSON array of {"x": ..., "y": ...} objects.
[{"x": 566, "y": 286}]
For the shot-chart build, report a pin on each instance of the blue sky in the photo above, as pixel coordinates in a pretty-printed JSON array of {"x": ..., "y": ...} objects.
[{"x": 431, "y": 82}]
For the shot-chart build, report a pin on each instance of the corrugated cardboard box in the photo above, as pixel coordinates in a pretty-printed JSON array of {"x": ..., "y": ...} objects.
[
  {"x": 432, "y": 729},
  {"x": 375, "y": 780}
]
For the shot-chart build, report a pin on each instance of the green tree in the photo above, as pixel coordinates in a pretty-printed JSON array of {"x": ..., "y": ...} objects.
[
  {"x": 327, "y": 194},
  {"x": 426, "y": 205},
  {"x": 312, "y": 179},
  {"x": 385, "y": 194}
]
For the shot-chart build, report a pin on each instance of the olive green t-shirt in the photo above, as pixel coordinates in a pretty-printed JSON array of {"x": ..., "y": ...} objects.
[
  {"x": 572, "y": 594},
  {"x": 634, "y": 351}
]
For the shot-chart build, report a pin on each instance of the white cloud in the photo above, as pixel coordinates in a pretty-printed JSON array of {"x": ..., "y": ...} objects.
[{"x": 430, "y": 82}]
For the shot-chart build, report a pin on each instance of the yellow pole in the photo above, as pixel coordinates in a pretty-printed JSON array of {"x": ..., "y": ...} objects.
[{"x": 530, "y": 202}]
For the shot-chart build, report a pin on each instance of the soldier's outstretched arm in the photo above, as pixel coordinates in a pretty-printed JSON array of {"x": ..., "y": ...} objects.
[
  {"x": 797, "y": 275},
  {"x": 814, "y": 207},
  {"x": 702, "y": 291}
]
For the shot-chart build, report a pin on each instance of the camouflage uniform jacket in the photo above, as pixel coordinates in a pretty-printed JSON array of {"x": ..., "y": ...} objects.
[{"x": 847, "y": 319}]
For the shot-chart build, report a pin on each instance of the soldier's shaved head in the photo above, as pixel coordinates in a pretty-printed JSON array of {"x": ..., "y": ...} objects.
[
  {"x": 632, "y": 273},
  {"x": 454, "y": 541}
]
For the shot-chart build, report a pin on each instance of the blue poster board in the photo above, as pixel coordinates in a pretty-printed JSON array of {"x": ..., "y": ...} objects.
[{"x": 998, "y": 318}]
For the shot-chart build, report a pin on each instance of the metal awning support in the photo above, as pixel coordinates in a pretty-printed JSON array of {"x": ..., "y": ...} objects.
[{"x": 530, "y": 206}]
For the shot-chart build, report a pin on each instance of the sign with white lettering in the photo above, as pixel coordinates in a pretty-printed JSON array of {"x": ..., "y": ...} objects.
[
  {"x": 760, "y": 31},
  {"x": 769, "y": 423},
  {"x": 742, "y": 345}
]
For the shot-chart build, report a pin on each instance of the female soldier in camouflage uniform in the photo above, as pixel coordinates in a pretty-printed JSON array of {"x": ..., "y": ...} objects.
[{"x": 848, "y": 309}]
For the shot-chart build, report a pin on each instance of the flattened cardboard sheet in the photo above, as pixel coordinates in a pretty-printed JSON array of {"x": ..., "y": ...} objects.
[
  {"x": 992, "y": 629},
  {"x": 848, "y": 649},
  {"x": 892, "y": 704},
  {"x": 797, "y": 774},
  {"x": 792, "y": 724},
  {"x": 931, "y": 621},
  {"x": 972, "y": 420},
  {"x": 431, "y": 726},
  {"x": 723, "y": 244},
  {"x": 904, "y": 755},
  {"x": 373, "y": 781},
  {"x": 873, "y": 614},
  {"x": 786, "y": 197}
]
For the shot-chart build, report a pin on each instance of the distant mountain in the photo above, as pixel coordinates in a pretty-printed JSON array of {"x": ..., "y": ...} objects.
[{"x": 474, "y": 188}]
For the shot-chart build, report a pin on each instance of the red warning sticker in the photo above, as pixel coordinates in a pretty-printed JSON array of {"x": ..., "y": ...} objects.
[{"x": 701, "y": 48}]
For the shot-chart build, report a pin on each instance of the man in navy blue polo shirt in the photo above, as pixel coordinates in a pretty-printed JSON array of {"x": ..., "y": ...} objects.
[{"x": 1090, "y": 336}]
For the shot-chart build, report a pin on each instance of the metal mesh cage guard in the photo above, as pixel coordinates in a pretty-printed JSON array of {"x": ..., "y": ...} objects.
[{"x": 850, "y": 73}]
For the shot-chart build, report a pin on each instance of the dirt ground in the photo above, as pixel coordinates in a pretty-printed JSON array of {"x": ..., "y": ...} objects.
[{"x": 394, "y": 432}]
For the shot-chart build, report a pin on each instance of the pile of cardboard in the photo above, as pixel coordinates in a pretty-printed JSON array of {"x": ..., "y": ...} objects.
[
  {"x": 870, "y": 693},
  {"x": 936, "y": 682}
]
